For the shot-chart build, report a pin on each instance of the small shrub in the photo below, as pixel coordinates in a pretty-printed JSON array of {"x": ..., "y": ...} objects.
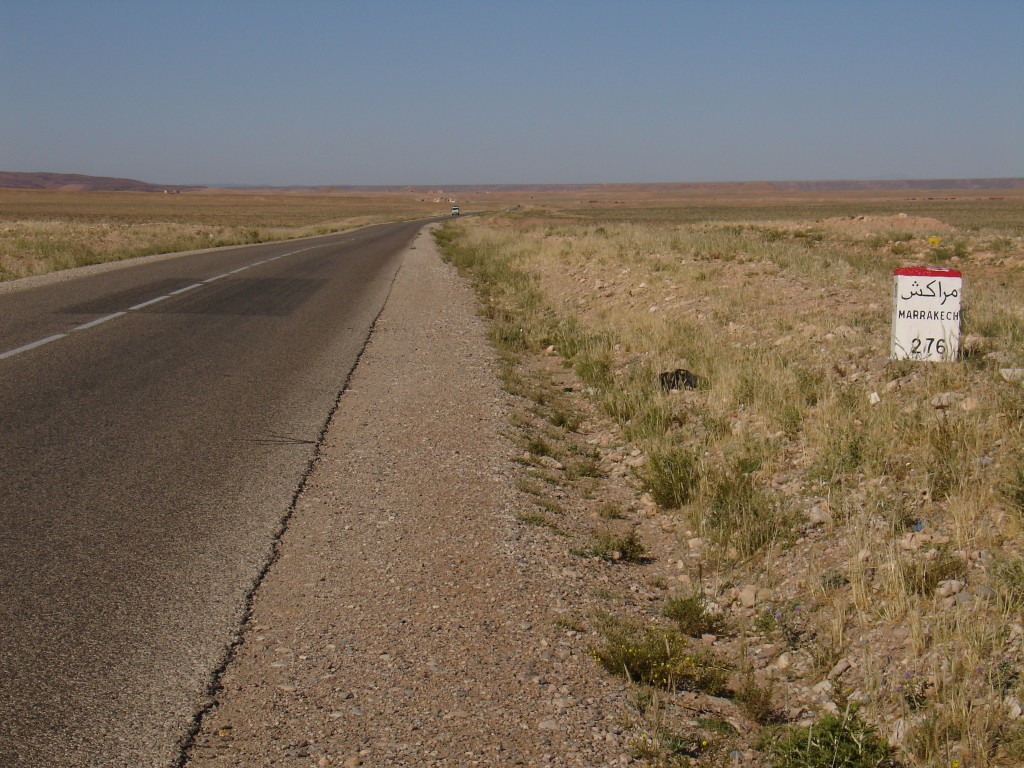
[
  {"x": 508, "y": 336},
  {"x": 756, "y": 701},
  {"x": 765, "y": 623},
  {"x": 659, "y": 657},
  {"x": 914, "y": 691},
  {"x": 527, "y": 485},
  {"x": 692, "y": 617},
  {"x": 959, "y": 249},
  {"x": 584, "y": 466},
  {"x": 1001, "y": 244},
  {"x": 1008, "y": 583},
  {"x": 832, "y": 579},
  {"x": 923, "y": 574},
  {"x": 667, "y": 748},
  {"x": 845, "y": 450},
  {"x": 538, "y": 519},
  {"x": 835, "y": 741},
  {"x": 671, "y": 476},
  {"x": 1014, "y": 489},
  {"x": 658, "y": 582},
  {"x": 593, "y": 364},
  {"x": 787, "y": 619},
  {"x": 564, "y": 419},
  {"x": 948, "y": 444},
  {"x": 538, "y": 446},
  {"x": 610, "y": 511},
  {"x": 548, "y": 504},
  {"x": 742, "y": 515},
  {"x": 615, "y": 548}
]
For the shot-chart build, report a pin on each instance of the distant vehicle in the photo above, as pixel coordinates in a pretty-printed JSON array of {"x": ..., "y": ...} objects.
[{"x": 455, "y": 210}]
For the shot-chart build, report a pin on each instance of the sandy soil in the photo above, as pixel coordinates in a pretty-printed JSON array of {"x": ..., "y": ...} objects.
[{"x": 407, "y": 619}]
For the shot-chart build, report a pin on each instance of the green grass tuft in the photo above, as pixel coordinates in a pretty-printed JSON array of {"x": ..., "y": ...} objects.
[
  {"x": 835, "y": 741},
  {"x": 659, "y": 657}
]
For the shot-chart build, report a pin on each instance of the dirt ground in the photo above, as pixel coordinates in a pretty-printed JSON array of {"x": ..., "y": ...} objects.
[
  {"x": 409, "y": 619},
  {"x": 431, "y": 605}
]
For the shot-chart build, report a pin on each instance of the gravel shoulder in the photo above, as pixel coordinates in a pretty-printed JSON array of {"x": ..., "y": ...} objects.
[{"x": 406, "y": 619}]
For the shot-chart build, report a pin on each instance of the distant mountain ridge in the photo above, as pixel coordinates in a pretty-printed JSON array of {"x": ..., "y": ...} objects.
[
  {"x": 814, "y": 186},
  {"x": 76, "y": 181}
]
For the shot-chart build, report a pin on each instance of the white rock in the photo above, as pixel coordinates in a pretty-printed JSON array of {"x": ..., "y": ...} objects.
[
  {"x": 1013, "y": 708},
  {"x": 1013, "y": 375},
  {"x": 837, "y": 671},
  {"x": 874, "y": 398},
  {"x": 898, "y": 733},
  {"x": 949, "y": 588},
  {"x": 748, "y": 596},
  {"x": 820, "y": 514}
]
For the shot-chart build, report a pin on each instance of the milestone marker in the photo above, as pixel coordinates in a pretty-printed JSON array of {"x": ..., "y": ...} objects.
[{"x": 926, "y": 313}]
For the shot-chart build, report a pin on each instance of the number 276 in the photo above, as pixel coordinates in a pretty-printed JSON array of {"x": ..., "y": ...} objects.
[{"x": 925, "y": 346}]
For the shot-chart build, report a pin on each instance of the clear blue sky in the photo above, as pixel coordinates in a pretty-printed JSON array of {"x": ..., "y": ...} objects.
[{"x": 524, "y": 91}]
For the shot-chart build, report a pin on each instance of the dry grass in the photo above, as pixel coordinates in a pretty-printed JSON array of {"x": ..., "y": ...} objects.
[
  {"x": 43, "y": 231},
  {"x": 783, "y": 311}
]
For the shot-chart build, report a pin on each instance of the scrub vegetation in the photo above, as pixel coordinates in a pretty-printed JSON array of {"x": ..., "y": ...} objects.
[
  {"x": 806, "y": 553},
  {"x": 842, "y": 530},
  {"x": 47, "y": 230}
]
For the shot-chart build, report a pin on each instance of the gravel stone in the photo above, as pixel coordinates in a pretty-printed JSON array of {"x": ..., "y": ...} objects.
[{"x": 411, "y": 623}]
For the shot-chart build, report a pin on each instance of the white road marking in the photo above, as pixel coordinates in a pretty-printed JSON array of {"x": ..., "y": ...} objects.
[
  {"x": 33, "y": 345},
  {"x": 186, "y": 288},
  {"x": 94, "y": 323},
  {"x": 143, "y": 305}
]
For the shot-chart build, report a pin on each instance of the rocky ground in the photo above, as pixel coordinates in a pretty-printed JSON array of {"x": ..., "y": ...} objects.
[
  {"x": 442, "y": 585},
  {"x": 410, "y": 618}
]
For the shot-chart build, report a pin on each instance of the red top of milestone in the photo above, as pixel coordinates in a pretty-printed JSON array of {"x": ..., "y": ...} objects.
[{"x": 927, "y": 272}]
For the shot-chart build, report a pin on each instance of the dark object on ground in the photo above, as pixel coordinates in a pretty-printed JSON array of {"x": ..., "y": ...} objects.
[{"x": 680, "y": 378}]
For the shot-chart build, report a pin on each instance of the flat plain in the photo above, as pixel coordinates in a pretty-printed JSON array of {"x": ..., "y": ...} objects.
[
  {"x": 827, "y": 538},
  {"x": 814, "y": 545},
  {"x": 46, "y": 230}
]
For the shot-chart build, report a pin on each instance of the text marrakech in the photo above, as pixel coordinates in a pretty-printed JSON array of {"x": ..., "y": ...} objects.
[{"x": 922, "y": 314}]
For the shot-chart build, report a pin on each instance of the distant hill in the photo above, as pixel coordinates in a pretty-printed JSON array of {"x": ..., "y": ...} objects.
[
  {"x": 754, "y": 186},
  {"x": 816, "y": 186},
  {"x": 77, "y": 181}
]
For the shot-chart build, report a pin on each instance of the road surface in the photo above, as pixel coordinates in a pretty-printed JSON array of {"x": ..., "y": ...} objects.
[{"x": 156, "y": 424}]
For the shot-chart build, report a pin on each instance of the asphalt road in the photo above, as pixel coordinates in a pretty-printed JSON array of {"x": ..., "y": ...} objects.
[{"x": 150, "y": 450}]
